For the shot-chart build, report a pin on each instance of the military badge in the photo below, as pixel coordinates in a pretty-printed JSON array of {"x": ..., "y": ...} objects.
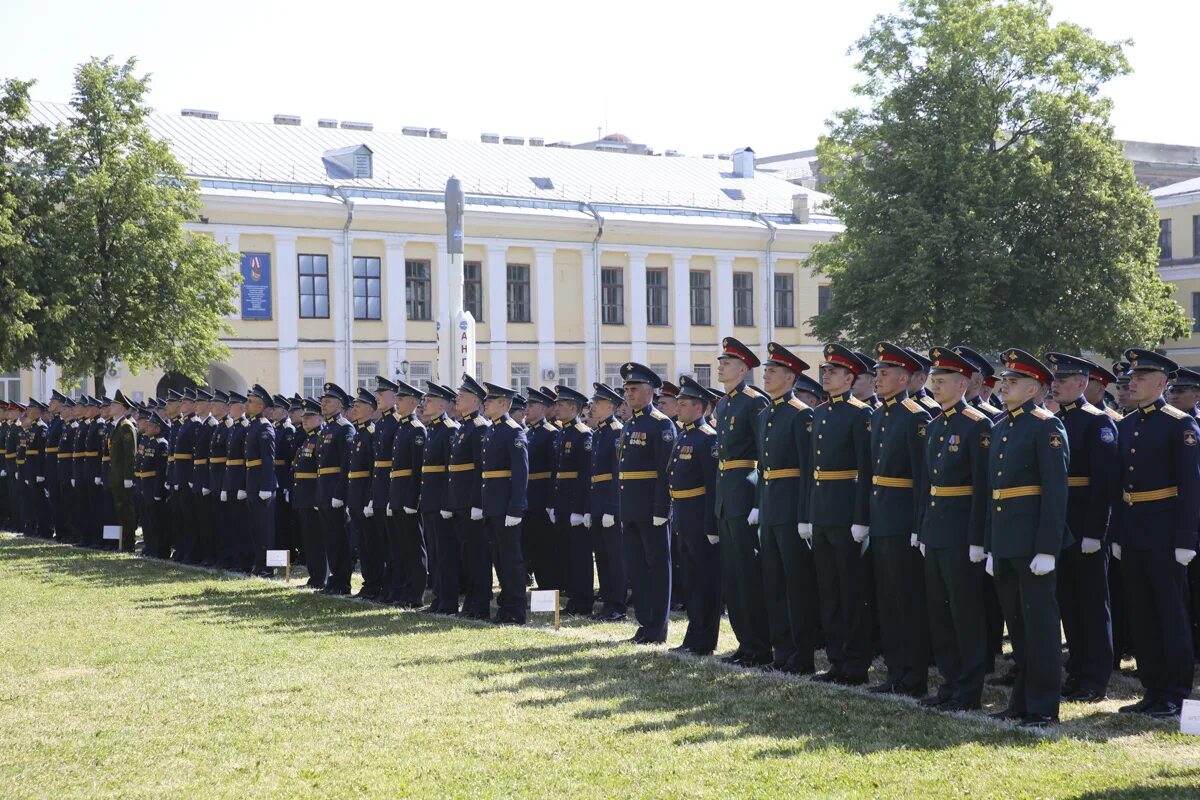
[
  {"x": 920, "y": 430},
  {"x": 1056, "y": 440},
  {"x": 1189, "y": 438},
  {"x": 985, "y": 440},
  {"x": 1107, "y": 436}
]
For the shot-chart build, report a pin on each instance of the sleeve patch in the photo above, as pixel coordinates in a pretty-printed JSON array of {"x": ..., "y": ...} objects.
[
  {"x": 985, "y": 441},
  {"x": 1189, "y": 438},
  {"x": 1107, "y": 436},
  {"x": 1056, "y": 440}
]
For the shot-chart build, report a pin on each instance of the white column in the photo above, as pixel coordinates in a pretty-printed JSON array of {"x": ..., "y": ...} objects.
[
  {"x": 591, "y": 365},
  {"x": 724, "y": 295},
  {"x": 443, "y": 316},
  {"x": 287, "y": 312},
  {"x": 395, "y": 311},
  {"x": 681, "y": 314},
  {"x": 543, "y": 283},
  {"x": 495, "y": 284},
  {"x": 637, "y": 305},
  {"x": 229, "y": 237},
  {"x": 337, "y": 311}
]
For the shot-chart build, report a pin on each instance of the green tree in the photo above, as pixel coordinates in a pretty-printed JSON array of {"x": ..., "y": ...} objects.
[{"x": 984, "y": 198}]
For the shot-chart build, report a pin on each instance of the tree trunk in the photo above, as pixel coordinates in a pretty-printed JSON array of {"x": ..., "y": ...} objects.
[{"x": 98, "y": 379}]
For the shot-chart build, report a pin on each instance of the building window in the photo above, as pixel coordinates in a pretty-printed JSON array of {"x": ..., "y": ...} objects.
[
  {"x": 1195, "y": 311},
  {"x": 367, "y": 370},
  {"x": 367, "y": 303},
  {"x": 662, "y": 370},
  {"x": 743, "y": 299},
  {"x": 1196, "y": 236},
  {"x": 314, "y": 287},
  {"x": 10, "y": 387},
  {"x": 700, "y": 289},
  {"x": 479, "y": 376},
  {"x": 520, "y": 375},
  {"x": 519, "y": 297},
  {"x": 612, "y": 296},
  {"x": 785, "y": 305},
  {"x": 418, "y": 290},
  {"x": 473, "y": 289},
  {"x": 612, "y": 375},
  {"x": 314, "y": 378},
  {"x": 1164, "y": 239},
  {"x": 823, "y": 298},
  {"x": 703, "y": 373},
  {"x": 419, "y": 374},
  {"x": 568, "y": 375},
  {"x": 656, "y": 297}
]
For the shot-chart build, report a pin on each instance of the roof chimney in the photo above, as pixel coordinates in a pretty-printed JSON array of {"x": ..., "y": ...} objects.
[
  {"x": 800, "y": 208},
  {"x": 357, "y": 126},
  {"x": 536, "y": 141},
  {"x": 327, "y": 123},
  {"x": 198, "y": 113},
  {"x": 287, "y": 119},
  {"x": 743, "y": 163},
  {"x": 514, "y": 140},
  {"x": 489, "y": 138},
  {"x": 412, "y": 130},
  {"x": 437, "y": 133}
]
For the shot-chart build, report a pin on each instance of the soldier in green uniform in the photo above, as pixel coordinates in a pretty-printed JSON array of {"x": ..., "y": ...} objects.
[{"x": 122, "y": 440}]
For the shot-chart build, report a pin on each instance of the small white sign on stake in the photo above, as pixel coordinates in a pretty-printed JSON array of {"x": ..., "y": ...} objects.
[
  {"x": 281, "y": 558},
  {"x": 1189, "y": 719},
  {"x": 112, "y": 532},
  {"x": 545, "y": 600}
]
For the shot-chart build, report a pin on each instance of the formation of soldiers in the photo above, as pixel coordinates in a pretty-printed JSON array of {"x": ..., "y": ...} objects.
[{"x": 863, "y": 514}]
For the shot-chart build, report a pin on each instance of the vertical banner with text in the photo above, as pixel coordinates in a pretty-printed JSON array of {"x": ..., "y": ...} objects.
[{"x": 256, "y": 285}]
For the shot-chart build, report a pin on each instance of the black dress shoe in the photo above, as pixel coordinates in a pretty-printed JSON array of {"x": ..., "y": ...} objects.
[
  {"x": 1136, "y": 708},
  {"x": 733, "y": 658},
  {"x": 1007, "y": 679},
  {"x": 792, "y": 668},
  {"x": 1070, "y": 686},
  {"x": 852, "y": 680},
  {"x": 609, "y": 616},
  {"x": 683, "y": 648},
  {"x": 1007, "y": 715},
  {"x": 917, "y": 691},
  {"x": 1086, "y": 696},
  {"x": 829, "y": 676},
  {"x": 637, "y": 638},
  {"x": 951, "y": 706},
  {"x": 936, "y": 700},
  {"x": 1163, "y": 709},
  {"x": 1036, "y": 722},
  {"x": 887, "y": 687}
]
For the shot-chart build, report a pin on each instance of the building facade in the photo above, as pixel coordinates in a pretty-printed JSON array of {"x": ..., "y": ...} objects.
[{"x": 1179, "y": 258}]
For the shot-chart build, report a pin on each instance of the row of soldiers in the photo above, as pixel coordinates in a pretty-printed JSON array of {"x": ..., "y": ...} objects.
[{"x": 861, "y": 514}]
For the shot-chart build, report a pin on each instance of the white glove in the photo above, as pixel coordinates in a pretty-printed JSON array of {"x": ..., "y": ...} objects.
[
  {"x": 511, "y": 521},
  {"x": 976, "y": 554},
  {"x": 805, "y": 530},
  {"x": 224, "y": 496},
  {"x": 72, "y": 479},
  {"x": 446, "y": 514},
  {"x": 408, "y": 510},
  {"x": 550, "y": 514},
  {"x": 1042, "y": 564},
  {"x": 921, "y": 547},
  {"x": 989, "y": 566},
  {"x": 587, "y": 520},
  {"x": 658, "y": 522},
  {"x": 576, "y": 520},
  {"x": 608, "y": 520},
  {"x": 713, "y": 539},
  {"x": 335, "y": 503},
  {"x": 860, "y": 532},
  {"x": 369, "y": 510},
  {"x": 128, "y": 483},
  {"x": 476, "y": 514},
  {"x": 1116, "y": 551},
  {"x": 912, "y": 541},
  {"x": 389, "y": 510},
  {"x": 191, "y": 485},
  {"x": 41, "y": 478},
  {"x": 752, "y": 517},
  {"x": 264, "y": 495},
  {"x": 158, "y": 499},
  {"x": 99, "y": 482},
  {"x": 1184, "y": 556},
  {"x": 1089, "y": 546},
  {"x": 205, "y": 492},
  {"x": 3, "y": 473},
  {"x": 287, "y": 496},
  {"x": 47, "y": 493},
  {"x": 241, "y": 495}
]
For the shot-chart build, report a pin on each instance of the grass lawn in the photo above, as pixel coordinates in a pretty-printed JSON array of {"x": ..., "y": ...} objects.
[{"x": 122, "y": 677}]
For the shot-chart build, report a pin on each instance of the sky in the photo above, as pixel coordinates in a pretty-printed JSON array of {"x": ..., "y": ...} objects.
[{"x": 697, "y": 77}]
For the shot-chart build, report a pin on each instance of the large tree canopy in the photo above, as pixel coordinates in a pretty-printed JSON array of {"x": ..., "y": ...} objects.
[{"x": 984, "y": 197}]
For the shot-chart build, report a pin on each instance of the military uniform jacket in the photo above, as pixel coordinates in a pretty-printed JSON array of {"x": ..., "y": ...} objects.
[
  {"x": 381, "y": 468},
  {"x": 407, "y": 464},
  {"x": 1027, "y": 475},
  {"x": 693, "y": 481},
  {"x": 362, "y": 457},
  {"x": 93, "y": 465},
  {"x": 785, "y": 461},
  {"x": 218, "y": 453},
  {"x": 841, "y": 444},
  {"x": 105, "y": 455},
  {"x": 304, "y": 470},
  {"x": 235, "y": 464},
  {"x": 439, "y": 442},
  {"x": 121, "y": 443},
  {"x": 505, "y": 460},
  {"x": 928, "y": 403},
  {"x": 1159, "y": 505},
  {"x": 54, "y": 434},
  {"x": 34, "y": 452},
  {"x": 333, "y": 460},
  {"x": 5, "y": 463},
  {"x": 572, "y": 470},
  {"x": 464, "y": 485},
  {"x": 184, "y": 453},
  {"x": 65, "y": 458},
  {"x": 79, "y": 462},
  {"x": 898, "y": 430},
  {"x": 260, "y": 456},
  {"x": 954, "y": 486},
  {"x": 1094, "y": 473},
  {"x": 603, "y": 497},
  {"x": 152, "y": 472},
  {"x": 644, "y": 459},
  {"x": 286, "y": 437},
  {"x": 201, "y": 468},
  {"x": 737, "y": 450},
  {"x": 990, "y": 411},
  {"x": 543, "y": 453}
]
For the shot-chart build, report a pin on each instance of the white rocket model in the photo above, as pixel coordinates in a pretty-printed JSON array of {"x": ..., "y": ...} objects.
[{"x": 458, "y": 338}]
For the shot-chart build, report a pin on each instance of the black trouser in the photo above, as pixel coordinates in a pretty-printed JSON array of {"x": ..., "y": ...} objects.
[
  {"x": 702, "y": 568},
  {"x": 206, "y": 527},
  {"x": 153, "y": 542},
  {"x": 993, "y": 622},
  {"x": 579, "y": 545},
  {"x": 1083, "y": 603},
  {"x": 742, "y": 586},
  {"x": 312, "y": 532},
  {"x": 612, "y": 565},
  {"x": 954, "y": 594},
  {"x": 441, "y": 541},
  {"x": 1156, "y": 592},
  {"x": 285, "y": 536},
  {"x": 679, "y": 577},
  {"x": 337, "y": 549},
  {"x": 476, "y": 565},
  {"x": 58, "y": 506},
  {"x": 903, "y": 617},
  {"x": 185, "y": 529},
  {"x": 1031, "y": 609},
  {"x": 240, "y": 528},
  {"x": 842, "y": 581},
  {"x": 1122, "y": 636},
  {"x": 547, "y": 554},
  {"x": 407, "y": 558},
  {"x": 504, "y": 543},
  {"x": 94, "y": 524},
  {"x": 262, "y": 529},
  {"x": 648, "y": 556},
  {"x": 126, "y": 517},
  {"x": 372, "y": 552},
  {"x": 1193, "y": 573}
]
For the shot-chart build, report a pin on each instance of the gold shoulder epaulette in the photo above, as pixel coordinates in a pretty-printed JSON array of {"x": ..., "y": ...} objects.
[
  {"x": 750, "y": 391},
  {"x": 706, "y": 429},
  {"x": 854, "y": 401},
  {"x": 797, "y": 403},
  {"x": 678, "y": 425},
  {"x": 1172, "y": 411},
  {"x": 912, "y": 405},
  {"x": 1114, "y": 415},
  {"x": 616, "y": 425},
  {"x": 989, "y": 409},
  {"x": 656, "y": 414},
  {"x": 1091, "y": 409},
  {"x": 579, "y": 426},
  {"x": 973, "y": 414},
  {"x": 930, "y": 403},
  {"x": 1041, "y": 413},
  {"x": 512, "y": 423},
  {"x": 451, "y": 424},
  {"x": 480, "y": 422},
  {"x": 346, "y": 422},
  {"x": 245, "y": 422}
]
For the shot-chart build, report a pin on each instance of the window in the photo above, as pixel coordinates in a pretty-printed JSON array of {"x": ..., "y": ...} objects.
[
  {"x": 366, "y": 288},
  {"x": 703, "y": 373},
  {"x": 1164, "y": 239},
  {"x": 418, "y": 290},
  {"x": 419, "y": 374},
  {"x": 314, "y": 378},
  {"x": 700, "y": 289},
  {"x": 743, "y": 299},
  {"x": 1195, "y": 311},
  {"x": 367, "y": 370},
  {"x": 823, "y": 298},
  {"x": 479, "y": 371},
  {"x": 1196, "y": 236},
  {"x": 10, "y": 386},
  {"x": 656, "y": 297},
  {"x": 520, "y": 374},
  {"x": 568, "y": 375},
  {"x": 314, "y": 287},
  {"x": 785, "y": 306},
  {"x": 519, "y": 298},
  {"x": 612, "y": 296},
  {"x": 612, "y": 375},
  {"x": 663, "y": 371},
  {"x": 473, "y": 289}
]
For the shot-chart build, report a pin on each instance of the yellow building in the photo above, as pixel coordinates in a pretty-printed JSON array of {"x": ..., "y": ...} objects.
[
  {"x": 576, "y": 260},
  {"x": 1179, "y": 258}
]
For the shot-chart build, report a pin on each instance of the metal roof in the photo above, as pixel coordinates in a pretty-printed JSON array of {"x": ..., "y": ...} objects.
[
  {"x": 1190, "y": 186},
  {"x": 266, "y": 153}
]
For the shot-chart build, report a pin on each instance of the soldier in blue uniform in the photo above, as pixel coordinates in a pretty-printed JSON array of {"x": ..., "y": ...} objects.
[
  {"x": 840, "y": 517},
  {"x": 983, "y": 372},
  {"x": 304, "y": 494},
  {"x": 406, "y": 547},
  {"x": 571, "y": 476},
  {"x": 505, "y": 473},
  {"x": 152, "y": 478},
  {"x": 333, "y": 473},
  {"x": 33, "y": 470},
  {"x": 358, "y": 496},
  {"x": 645, "y": 502},
  {"x": 1025, "y": 531},
  {"x": 1093, "y": 481},
  {"x": 916, "y": 385},
  {"x": 286, "y": 434},
  {"x": 465, "y": 499},
  {"x": 180, "y": 476},
  {"x": 54, "y": 436},
  {"x": 218, "y": 456},
  {"x": 233, "y": 489},
  {"x": 261, "y": 482},
  {"x": 736, "y": 504},
  {"x": 898, "y": 431},
  {"x": 808, "y": 391},
  {"x": 545, "y": 554},
  {"x": 1184, "y": 394},
  {"x": 864, "y": 383},
  {"x": 437, "y": 520},
  {"x": 603, "y": 518},
  {"x": 1155, "y": 532}
]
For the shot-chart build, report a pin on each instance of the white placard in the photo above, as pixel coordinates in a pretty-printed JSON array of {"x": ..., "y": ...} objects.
[
  {"x": 1189, "y": 720},
  {"x": 543, "y": 601},
  {"x": 279, "y": 558},
  {"x": 112, "y": 532}
]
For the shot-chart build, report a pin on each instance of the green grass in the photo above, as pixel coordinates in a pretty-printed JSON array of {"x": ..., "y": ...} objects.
[{"x": 121, "y": 677}]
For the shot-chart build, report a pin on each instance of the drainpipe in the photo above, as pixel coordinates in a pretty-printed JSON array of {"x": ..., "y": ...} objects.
[
  {"x": 590, "y": 209},
  {"x": 768, "y": 280},
  {"x": 348, "y": 289}
]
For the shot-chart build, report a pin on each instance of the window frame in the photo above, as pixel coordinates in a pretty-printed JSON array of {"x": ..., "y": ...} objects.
[
  {"x": 518, "y": 286},
  {"x": 658, "y": 314},
  {"x": 368, "y": 264},
  {"x": 706, "y": 289},
  {"x": 313, "y": 295},
  {"x": 743, "y": 315},
  {"x": 477, "y": 284},
  {"x": 788, "y": 292},
  {"x": 412, "y": 283},
  {"x": 612, "y": 308}
]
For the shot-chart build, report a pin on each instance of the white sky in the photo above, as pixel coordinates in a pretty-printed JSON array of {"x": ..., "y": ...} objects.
[{"x": 695, "y": 77}]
